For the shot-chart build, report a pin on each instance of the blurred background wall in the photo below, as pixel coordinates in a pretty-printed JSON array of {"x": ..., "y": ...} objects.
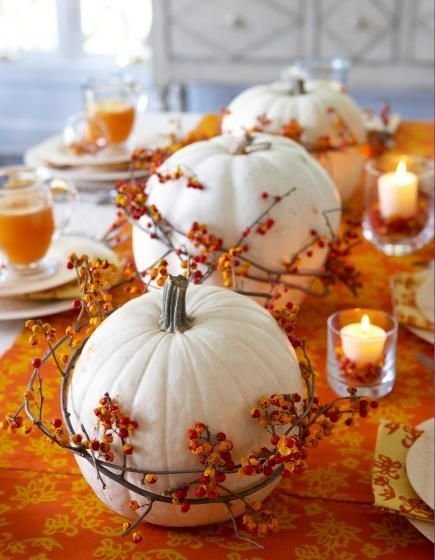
[{"x": 196, "y": 55}]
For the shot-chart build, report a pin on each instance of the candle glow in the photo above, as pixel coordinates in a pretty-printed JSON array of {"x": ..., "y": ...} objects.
[
  {"x": 363, "y": 343},
  {"x": 398, "y": 193}
]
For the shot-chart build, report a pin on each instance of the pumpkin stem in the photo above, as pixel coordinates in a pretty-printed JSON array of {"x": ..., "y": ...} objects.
[
  {"x": 245, "y": 145},
  {"x": 298, "y": 87},
  {"x": 174, "y": 316}
]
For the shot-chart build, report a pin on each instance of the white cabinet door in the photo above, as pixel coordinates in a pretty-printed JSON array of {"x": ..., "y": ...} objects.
[
  {"x": 418, "y": 31},
  {"x": 229, "y": 30},
  {"x": 365, "y": 32},
  {"x": 389, "y": 42}
]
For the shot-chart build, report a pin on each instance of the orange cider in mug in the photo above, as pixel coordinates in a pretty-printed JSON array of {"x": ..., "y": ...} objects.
[
  {"x": 26, "y": 228},
  {"x": 117, "y": 116}
]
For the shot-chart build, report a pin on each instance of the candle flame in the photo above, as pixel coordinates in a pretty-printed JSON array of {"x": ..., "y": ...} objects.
[
  {"x": 365, "y": 324},
  {"x": 401, "y": 172}
]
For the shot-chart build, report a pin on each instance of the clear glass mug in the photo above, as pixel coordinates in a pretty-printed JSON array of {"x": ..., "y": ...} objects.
[
  {"x": 111, "y": 102},
  {"x": 29, "y": 221}
]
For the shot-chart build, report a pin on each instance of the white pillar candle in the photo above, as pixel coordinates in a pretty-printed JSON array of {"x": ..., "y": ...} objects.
[
  {"x": 398, "y": 193},
  {"x": 363, "y": 343}
]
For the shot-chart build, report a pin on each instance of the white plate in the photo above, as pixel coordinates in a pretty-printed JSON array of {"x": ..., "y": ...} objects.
[
  {"x": 60, "y": 250},
  {"x": 420, "y": 464},
  {"x": 427, "y": 470},
  {"x": 426, "y": 335},
  {"x": 426, "y": 528},
  {"x": 54, "y": 152},
  {"x": 422, "y": 301},
  {"x": 26, "y": 309},
  {"x": 151, "y": 130},
  {"x": 87, "y": 175},
  {"x": 424, "y": 296}
]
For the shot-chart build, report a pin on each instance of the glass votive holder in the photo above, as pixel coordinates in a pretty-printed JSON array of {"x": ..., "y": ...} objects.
[
  {"x": 319, "y": 69},
  {"x": 361, "y": 351},
  {"x": 399, "y": 211}
]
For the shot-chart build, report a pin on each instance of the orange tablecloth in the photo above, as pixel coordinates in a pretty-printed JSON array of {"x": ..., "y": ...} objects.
[{"x": 48, "y": 512}]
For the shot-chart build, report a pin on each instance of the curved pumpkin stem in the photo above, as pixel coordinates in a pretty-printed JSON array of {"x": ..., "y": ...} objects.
[
  {"x": 298, "y": 87},
  {"x": 245, "y": 145},
  {"x": 174, "y": 316}
]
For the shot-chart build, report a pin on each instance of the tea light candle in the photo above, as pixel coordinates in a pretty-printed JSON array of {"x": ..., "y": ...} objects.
[
  {"x": 398, "y": 193},
  {"x": 363, "y": 342}
]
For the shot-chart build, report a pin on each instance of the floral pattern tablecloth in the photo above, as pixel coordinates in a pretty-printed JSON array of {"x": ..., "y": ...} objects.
[{"x": 47, "y": 511}]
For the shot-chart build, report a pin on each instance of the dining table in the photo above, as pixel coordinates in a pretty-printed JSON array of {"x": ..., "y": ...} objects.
[{"x": 48, "y": 511}]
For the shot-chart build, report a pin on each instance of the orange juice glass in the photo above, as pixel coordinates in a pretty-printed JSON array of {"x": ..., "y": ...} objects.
[
  {"x": 27, "y": 221},
  {"x": 112, "y": 102}
]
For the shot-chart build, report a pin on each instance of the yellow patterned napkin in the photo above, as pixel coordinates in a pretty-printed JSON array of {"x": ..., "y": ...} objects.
[
  {"x": 390, "y": 484},
  {"x": 405, "y": 286}
]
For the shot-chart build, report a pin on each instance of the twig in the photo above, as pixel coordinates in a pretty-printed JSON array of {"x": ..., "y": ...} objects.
[
  {"x": 94, "y": 459},
  {"x": 236, "y": 530},
  {"x": 135, "y": 523}
]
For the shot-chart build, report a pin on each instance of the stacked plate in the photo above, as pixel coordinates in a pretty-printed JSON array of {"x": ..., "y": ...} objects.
[
  {"x": 413, "y": 300},
  {"x": 101, "y": 170},
  {"x": 37, "y": 296},
  {"x": 420, "y": 471}
]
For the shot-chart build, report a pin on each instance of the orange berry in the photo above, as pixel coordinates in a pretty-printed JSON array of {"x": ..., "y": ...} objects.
[
  {"x": 133, "y": 505},
  {"x": 184, "y": 507},
  {"x": 136, "y": 537}
]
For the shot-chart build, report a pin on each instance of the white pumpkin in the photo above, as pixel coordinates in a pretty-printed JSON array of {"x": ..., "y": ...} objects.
[
  {"x": 310, "y": 106},
  {"x": 232, "y": 200},
  {"x": 231, "y": 353}
]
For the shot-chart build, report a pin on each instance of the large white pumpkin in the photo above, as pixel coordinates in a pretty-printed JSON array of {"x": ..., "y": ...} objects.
[
  {"x": 231, "y": 354},
  {"x": 316, "y": 106},
  {"x": 232, "y": 200}
]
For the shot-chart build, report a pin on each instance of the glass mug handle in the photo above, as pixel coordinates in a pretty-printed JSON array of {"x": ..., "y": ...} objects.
[{"x": 63, "y": 194}]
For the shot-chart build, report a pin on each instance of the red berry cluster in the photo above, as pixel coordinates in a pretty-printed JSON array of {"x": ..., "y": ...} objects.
[
  {"x": 264, "y": 226},
  {"x": 40, "y": 331},
  {"x": 148, "y": 159},
  {"x": 285, "y": 316},
  {"x": 259, "y": 520},
  {"x": 200, "y": 237},
  {"x": 277, "y": 410},
  {"x": 96, "y": 277},
  {"x": 165, "y": 176},
  {"x": 158, "y": 273},
  {"x": 192, "y": 182},
  {"x": 398, "y": 227},
  {"x": 214, "y": 454},
  {"x": 114, "y": 423},
  {"x": 364, "y": 373},
  {"x": 336, "y": 268},
  {"x": 131, "y": 195},
  {"x": 230, "y": 264},
  {"x": 13, "y": 423}
]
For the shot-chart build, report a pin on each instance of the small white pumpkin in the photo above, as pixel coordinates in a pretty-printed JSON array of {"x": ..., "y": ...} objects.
[
  {"x": 208, "y": 356},
  {"x": 317, "y": 106},
  {"x": 232, "y": 200}
]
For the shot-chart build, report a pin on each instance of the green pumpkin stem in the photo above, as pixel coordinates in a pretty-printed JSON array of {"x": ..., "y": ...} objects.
[{"x": 174, "y": 316}]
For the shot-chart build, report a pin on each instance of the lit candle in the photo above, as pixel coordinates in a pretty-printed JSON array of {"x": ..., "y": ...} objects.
[
  {"x": 363, "y": 342},
  {"x": 398, "y": 193}
]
